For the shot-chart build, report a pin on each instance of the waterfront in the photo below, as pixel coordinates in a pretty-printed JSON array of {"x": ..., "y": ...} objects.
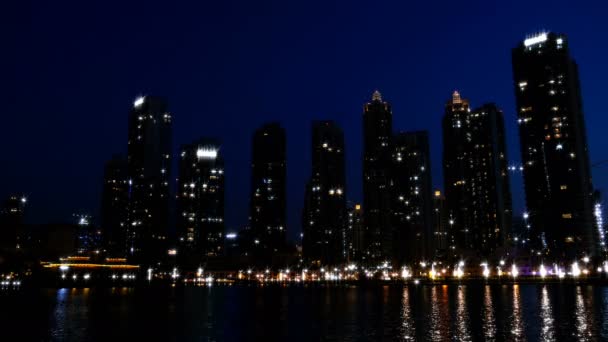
[{"x": 310, "y": 313}]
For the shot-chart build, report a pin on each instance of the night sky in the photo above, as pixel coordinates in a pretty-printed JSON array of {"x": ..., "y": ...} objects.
[{"x": 69, "y": 72}]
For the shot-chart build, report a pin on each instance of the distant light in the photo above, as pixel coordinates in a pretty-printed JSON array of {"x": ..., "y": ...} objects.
[
  {"x": 535, "y": 40},
  {"x": 64, "y": 267},
  {"x": 559, "y": 147},
  {"x": 138, "y": 101},
  {"x": 172, "y": 252},
  {"x": 231, "y": 236},
  {"x": 23, "y": 199},
  {"x": 559, "y": 41},
  {"x": 206, "y": 153}
]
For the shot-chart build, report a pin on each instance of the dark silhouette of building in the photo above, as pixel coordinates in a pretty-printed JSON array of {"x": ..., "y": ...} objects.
[
  {"x": 442, "y": 240},
  {"x": 355, "y": 235},
  {"x": 476, "y": 179},
  {"x": 149, "y": 170},
  {"x": 90, "y": 238},
  {"x": 11, "y": 223},
  {"x": 412, "y": 198},
  {"x": 200, "y": 198},
  {"x": 557, "y": 175},
  {"x": 377, "y": 132},
  {"x": 324, "y": 219},
  {"x": 268, "y": 191},
  {"x": 114, "y": 205}
]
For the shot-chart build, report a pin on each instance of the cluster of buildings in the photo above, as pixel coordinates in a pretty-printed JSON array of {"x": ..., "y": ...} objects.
[{"x": 402, "y": 219}]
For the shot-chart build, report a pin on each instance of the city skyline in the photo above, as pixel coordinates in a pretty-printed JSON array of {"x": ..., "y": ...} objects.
[{"x": 237, "y": 199}]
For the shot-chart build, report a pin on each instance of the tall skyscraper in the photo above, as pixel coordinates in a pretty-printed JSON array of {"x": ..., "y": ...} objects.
[
  {"x": 476, "y": 177},
  {"x": 377, "y": 161},
  {"x": 553, "y": 140},
  {"x": 200, "y": 198},
  {"x": 114, "y": 205},
  {"x": 268, "y": 190},
  {"x": 412, "y": 198},
  {"x": 324, "y": 219},
  {"x": 149, "y": 170}
]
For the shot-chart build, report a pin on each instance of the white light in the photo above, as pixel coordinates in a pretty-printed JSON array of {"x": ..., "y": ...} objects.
[
  {"x": 138, "y": 101},
  {"x": 576, "y": 271},
  {"x": 535, "y": 40},
  {"x": 559, "y": 147},
  {"x": 405, "y": 273},
  {"x": 543, "y": 271},
  {"x": 514, "y": 271},
  {"x": 206, "y": 153},
  {"x": 23, "y": 199},
  {"x": 559, "y": 41},
  {"x": 231, "y": 236},
  {"x": 64, "y": 267},
  {"x": 87, "y": 276}
]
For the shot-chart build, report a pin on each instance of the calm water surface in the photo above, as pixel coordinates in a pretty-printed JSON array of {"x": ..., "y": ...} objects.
[{"x": 314, "y": 313}]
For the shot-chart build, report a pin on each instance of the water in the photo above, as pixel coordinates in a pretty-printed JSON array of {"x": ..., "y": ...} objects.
[{"x": 310, "y": 313}]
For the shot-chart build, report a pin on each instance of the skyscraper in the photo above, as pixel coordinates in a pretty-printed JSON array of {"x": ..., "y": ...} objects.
[
  {"x": 324, "y": 219},
  {"x": 553, "y": 140},
  {"x": 268, "y": 190},
  {"x": 476, "y": 177},
  {"x": 114, "y": 205},
  {"x": 377, "y": 132},
  {"x": 412, "y": 198},
  {"x": 200, "y": 198},
  {"x": 149, "y": 169}
]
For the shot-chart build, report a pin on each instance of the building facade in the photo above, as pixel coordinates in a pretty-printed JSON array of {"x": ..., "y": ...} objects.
[
  {"x": 324, "y": 219},
  {"x": 149, "y": 170},
  {"x": 114, "y": 205},
  {"x": 476, "y": 178},
  {"x": 412, "y": 198},
  {"x": 268, "y": 190},
  {"x": 557, "y": 175},
  {"x": 200, "y": 198},
  {"x": 377, "y": 162}
]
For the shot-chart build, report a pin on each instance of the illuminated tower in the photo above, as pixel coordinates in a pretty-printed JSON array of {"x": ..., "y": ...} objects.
[
  {"x": 377, "y": 132},
  {"x": 200, "y": 198},
  {"x": 412, "y": 199},
  {"x": 553, "y": 141},
  {"x": 149, "y": 169},
  {"x": 325, "y": 205},
  {"x": 476, "y": 179},
  {"x": 268, "y": 190}
]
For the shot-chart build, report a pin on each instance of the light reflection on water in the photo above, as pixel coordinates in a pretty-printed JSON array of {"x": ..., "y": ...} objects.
[
  {"x": 547, "y": 332},
  {"x": 489, "y": 326},
  {"x": 462, "y": 316},
  {"x": 517, "y": 328},
  {"x": 476, "y": 312},
  {"x": 409, "y": 330}
]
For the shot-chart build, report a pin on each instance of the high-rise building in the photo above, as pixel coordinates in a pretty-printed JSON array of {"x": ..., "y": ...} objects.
[
  {"x": 268, "y": 190},
  {"x": 355, "y": 235},
  {"x": 149, "y": 170},
  {"x": 324, "y": 219},
  {"x": 412, "y": 198},
  {"x": 377, "y": 162},
  {"x": 442, "y": 240},
  {"x": 114, "y": 205},
  {"x": 476, "y": 177},
  {"x": 200, "y": 198},
  {"x": 11, "y": 222},
  {"x": 557, "y": 175}
]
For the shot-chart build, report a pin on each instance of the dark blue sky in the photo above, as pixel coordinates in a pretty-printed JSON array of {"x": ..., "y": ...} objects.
[{"x": 69, "y": 72}]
